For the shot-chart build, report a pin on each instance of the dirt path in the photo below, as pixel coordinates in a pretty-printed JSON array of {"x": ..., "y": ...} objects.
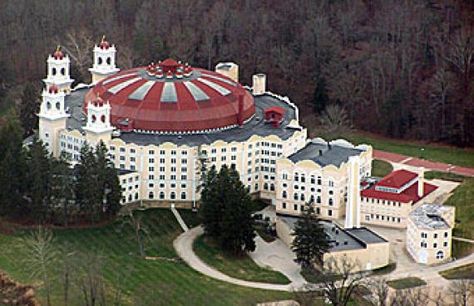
[{"x": 427, "y": 164}]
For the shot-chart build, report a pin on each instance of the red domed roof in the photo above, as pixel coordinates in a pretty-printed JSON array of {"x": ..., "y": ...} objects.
[
  {"x": 53, "y": 89},
  {"x": 58, "y": 54},
  {"x": 104, "y": 44},
  {"x": 172, "y": 97}
]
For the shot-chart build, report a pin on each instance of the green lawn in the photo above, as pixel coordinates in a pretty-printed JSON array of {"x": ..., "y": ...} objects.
[
  {"x": 461, "y": 249},
  {"x": 444, "y": 176},
  {"x": 381, "y": 168},
  {"x": 238, "y": 267},
  {"x": 463, "y": 200},
  {"x": 408, "y": 282},
  {"x": 166, "y": 281},
  {"x": 435, "y": 152},
  {"x": 462, "y": 272}
]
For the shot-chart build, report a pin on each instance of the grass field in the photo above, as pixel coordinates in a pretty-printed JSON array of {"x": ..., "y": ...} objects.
[
  {"x": 408, "y": 282},
  {"x": 435, "y": 152},
  {"x": 461, "y": 248},
  {"x": 165, "y": 281},
  {"x": 381, "y": 168},
  {"x": 466, "y": 271},
  {"x": 463, "y": 200},
  {"x": 238, "y": 267}
]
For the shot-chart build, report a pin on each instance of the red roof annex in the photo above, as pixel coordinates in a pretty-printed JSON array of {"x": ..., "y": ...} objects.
[
  {"x": 397, "y": 179},
  {"x": 408, "y": 195}
]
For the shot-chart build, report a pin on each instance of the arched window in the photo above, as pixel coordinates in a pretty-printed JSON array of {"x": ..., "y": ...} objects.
[
  {"x": 151, "y": 195},
  {"x": 63, "y": 71},
  {"x": 302, "y": 197},
  {"x": 297, "y": 177},
  {"x": 58, "y": 106},
  {"x": 130, "y": 198},
  {"x": 183, "y": 195},
  {"x": 303, "y": 179},
  {"x": 331, "y": 202},
  {"x": 173, "y": 195},
  {"x": 439, "y": 255},
  {"x": 136, "y": 196},
  {"x": 162, "y": 195},
  {"x": 318, "y": 200},
  {"x": 53, "y": 71},
  {"x": 94, "y": 119},
  {"x": 109, "y": 61},
  {"x": 284, "y": 194},
  {"x": 295, "y": 196},
  {"x": 48, "y": 105},
  {"x": 311, "y": 198},
  {"x": 265, "y": 186},
  {"x": 102, "y": 118},
  {"x": 272, "y": 187},
  {"x": 100, "y": 60}
]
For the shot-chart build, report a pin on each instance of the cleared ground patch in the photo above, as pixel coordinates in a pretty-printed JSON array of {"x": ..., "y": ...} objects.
[
  {"x": 239, "y": 267},
  {"x": 164, "y": 281}
]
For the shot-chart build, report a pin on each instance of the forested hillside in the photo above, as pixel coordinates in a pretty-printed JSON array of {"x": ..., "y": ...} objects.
[{"x": 399, "y": 68}]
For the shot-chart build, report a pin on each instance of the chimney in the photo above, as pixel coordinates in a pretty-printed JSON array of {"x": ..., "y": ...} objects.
[
  {"x": 229, "y": 69},
  {"x": 353, "y": 193},
  {"x": 259, "y": 84},
  {"x": 240, "y": 114},
  {"x": 421, "y": 182}
]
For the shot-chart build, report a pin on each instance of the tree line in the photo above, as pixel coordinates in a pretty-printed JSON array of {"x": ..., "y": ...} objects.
[
  {"x": 38, "y": 188},
  {"x": 402, "y": 69}
]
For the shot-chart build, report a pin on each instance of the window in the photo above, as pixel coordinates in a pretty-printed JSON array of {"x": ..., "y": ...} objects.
[
  {"x": 283, "y": 205},
  {"x": 183, "y": 195},
  {"x": 329, "y": 212},
  {"x": 295, "y": 197},
  {"x": 318, "y": 210},
  {"x": 445, "y": 244},
  {"x": 173, "y": 195},
  {"x": 330, "y": 202},
  {"x": 331, "y": 183},
  {"x": 435, "y": 235},
  {"x": 439, "y": 255},
  {"x": 435, "y": 245},
  {"x": 295, "y": 207},
  {"x": 162, "y": 195},
  {"x": 445, "y": 234},
  {"x": 151, "y": 195},
  {"x": 284, "y": 194}
]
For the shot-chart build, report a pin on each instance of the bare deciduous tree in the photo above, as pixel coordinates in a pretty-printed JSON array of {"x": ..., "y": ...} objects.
[{"x": 462, "y": 291}]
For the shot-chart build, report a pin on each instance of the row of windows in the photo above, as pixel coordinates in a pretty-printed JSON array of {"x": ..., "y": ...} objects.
[
  {"x": 150, "y": 152},
  {"x": 162, "y": 185},
  {"x": 382, "y": 218},
  {"x": 313, "y": 180},
  {"x": 383, "y": 202},
  {"x": 424, "y": 245},
  {"x": 296, "y": 206},
  {"x": 161, "y": 195},
  {"x": 302, "y": 197},
  {"x": 435, "y": 235}
]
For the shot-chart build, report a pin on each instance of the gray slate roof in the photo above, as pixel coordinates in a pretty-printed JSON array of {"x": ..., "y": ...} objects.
[
  {"x": 324, "y": 155},
  {"x": 430, "y": 216}
]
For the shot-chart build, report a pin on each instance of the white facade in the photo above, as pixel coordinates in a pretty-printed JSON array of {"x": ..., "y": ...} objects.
[
  {"x": 104, "y": 61},
  {"x": 59, "y": 71}
]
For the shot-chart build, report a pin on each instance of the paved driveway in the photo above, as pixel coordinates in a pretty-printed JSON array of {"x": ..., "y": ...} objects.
[{"x": 277, "y": 256}]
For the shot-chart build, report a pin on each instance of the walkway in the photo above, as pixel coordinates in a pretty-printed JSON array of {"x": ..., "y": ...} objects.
[
  {"x": 179, "y": 219},
  {"x": 417, "y": 162}
]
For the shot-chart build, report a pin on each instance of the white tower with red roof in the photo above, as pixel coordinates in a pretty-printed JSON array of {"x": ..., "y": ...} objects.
[
  {"x": 98, "y": 125},
  {"x": 59, "y": 71},
  {"x": 52, "y": 117},
  {"x": 104, "y": 61}
]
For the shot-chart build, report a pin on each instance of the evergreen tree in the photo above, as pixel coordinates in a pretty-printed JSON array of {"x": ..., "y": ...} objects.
[
  {"x": 38, "y": 179},
  {"x": 311, "y": 241},
  {"x": 28, "y": 109},
  {"x": 226, "y": 210},
  {"x": 86, "y": 188},
  {"x": 320, "y": 96},
  {"x": 108, "y": 182},
  {"x": 62, "y": 188},
  {"x": 12, "y": 167}
]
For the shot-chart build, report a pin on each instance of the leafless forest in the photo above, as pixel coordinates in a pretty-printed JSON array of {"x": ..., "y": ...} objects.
[{"x": 399, "y": 68}]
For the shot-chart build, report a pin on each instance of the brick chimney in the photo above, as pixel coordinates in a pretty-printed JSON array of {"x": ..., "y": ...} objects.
[{"x": 421, "y": 182}]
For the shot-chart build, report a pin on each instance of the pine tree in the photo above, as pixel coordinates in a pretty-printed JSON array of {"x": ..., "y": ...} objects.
[
  {"x": 311, "y": 241},
  {"x": 108, "y": 182},
  {"x": 62, "y": 188},
  {"x": 86, "y": 189},
  {"x": 38, "y": 179},
  {"x": 227, "y": 211},
  {"x": 12, "y": 168},
  {"x": 28, "y": 109}
]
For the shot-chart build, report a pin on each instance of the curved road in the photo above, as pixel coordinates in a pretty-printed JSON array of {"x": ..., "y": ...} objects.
[{"x": 183, "y": 245}]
